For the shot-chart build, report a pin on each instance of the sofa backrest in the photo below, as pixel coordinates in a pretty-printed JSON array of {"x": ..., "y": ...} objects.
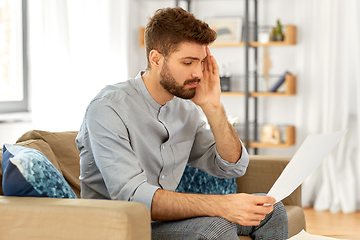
[{"x": 60, "y": 149}]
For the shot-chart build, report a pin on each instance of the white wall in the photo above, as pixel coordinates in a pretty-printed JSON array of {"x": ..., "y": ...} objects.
[
  {"x": 76, "y": 49},
  {"x": 275, "y": 110},
  {"x": 11, "y": 131}
]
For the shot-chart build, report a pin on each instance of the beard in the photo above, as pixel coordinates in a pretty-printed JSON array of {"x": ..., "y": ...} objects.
[{"x": 169, "y": 83}]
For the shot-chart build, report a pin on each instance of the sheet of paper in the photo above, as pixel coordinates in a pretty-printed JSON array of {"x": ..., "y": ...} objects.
[
  {"x": 309, "y": 156},
  {"x": 303, "y": 235}
]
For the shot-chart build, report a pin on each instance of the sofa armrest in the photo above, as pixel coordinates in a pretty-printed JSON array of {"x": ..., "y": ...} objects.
[
  {"x": 262, "y": 173},
  {"x": 50, "y": 218}
]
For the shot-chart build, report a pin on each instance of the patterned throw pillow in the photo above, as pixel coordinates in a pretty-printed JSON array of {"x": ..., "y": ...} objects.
[
  {"x": 197, "y": 181},
  {"x": 28, "y": 173}
]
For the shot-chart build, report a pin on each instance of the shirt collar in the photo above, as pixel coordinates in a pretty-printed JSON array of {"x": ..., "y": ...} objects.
[{"x": 145, "y": 92}]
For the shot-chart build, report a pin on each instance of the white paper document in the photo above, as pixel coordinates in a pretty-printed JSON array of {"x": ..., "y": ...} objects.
[
  {"x": 309, "y": 156},
  {"x": 306, "y": 236}
]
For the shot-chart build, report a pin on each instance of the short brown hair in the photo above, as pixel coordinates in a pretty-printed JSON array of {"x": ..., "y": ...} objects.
[{"x": 171, "y": 26}]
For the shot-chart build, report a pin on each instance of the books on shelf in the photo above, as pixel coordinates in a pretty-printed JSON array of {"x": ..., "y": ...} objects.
[{"x": 279, "y": 82}]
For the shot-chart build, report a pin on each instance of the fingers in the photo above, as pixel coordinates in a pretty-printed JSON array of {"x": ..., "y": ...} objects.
[
  {"x": 261, "y": 209},
  {"x": 253, "y": 222},
  {"x": 265, "y": 203},
  {"x": 208, "y": 64},
  {"x": 215, "y": 66},
  {"x": 251, "y": 219},
  {"x": 246, "y": 209},
  {"x": 254, "y": 217},
  {"x": 261, "y": 200},
  {"x": 258, "y": 208},
  {"x": 211, "y": 64}
]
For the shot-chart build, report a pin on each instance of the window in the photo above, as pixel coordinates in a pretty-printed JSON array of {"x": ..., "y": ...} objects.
[{"x": 13, "y": 59}]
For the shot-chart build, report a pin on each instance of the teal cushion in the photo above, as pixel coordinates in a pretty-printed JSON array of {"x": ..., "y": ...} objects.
[
  {"x": 197, "y": 181},
  {"x": 28, "y": 173}
]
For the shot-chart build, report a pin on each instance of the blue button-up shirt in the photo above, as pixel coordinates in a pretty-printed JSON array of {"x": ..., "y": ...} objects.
[{"x": 130, "y": 145}]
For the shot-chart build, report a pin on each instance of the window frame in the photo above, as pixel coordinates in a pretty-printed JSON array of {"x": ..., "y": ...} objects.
[{"x": 23, "y": 105}]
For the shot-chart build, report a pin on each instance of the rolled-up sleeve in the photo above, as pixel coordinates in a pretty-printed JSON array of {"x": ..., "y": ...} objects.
[
  {"x": 205, "y": 157},
  {"x": 237, "y": 169}
]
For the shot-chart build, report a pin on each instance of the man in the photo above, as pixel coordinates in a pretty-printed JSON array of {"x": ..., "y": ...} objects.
[{"x": 138, "y": 136}]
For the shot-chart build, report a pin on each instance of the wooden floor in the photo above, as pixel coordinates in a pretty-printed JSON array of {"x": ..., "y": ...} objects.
[{"x": 326, "y": 223}]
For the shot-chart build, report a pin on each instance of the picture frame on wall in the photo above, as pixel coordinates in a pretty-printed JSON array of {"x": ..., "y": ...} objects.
[{"x": 228, "y": 29}]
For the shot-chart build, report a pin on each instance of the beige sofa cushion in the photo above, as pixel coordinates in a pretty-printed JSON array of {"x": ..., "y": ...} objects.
[{"x": 296, "y": 219}]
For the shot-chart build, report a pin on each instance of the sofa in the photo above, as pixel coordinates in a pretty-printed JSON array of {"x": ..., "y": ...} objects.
[{"x": 57, "y": 218}]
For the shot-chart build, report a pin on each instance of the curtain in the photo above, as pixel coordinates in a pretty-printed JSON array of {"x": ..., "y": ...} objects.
[
  {"x": 76, "y": 48},
  {"x": 329, "y": 98}
]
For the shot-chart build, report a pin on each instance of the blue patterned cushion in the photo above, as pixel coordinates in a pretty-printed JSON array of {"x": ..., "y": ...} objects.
[
  {"x": 28, "y": 173},
  {"x": 197, "y": 181}
]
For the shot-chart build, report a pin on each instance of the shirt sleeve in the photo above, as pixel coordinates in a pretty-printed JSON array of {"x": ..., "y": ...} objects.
[
  {"x": 205, "y": 157},
  {"x": 114, "y": 156}
]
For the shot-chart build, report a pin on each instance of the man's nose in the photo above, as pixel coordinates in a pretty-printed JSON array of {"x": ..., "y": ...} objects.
[{"x": 198, "y": 71}]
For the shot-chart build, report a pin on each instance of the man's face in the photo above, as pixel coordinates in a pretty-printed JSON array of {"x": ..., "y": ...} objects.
[{"x": 183, "y": 70}]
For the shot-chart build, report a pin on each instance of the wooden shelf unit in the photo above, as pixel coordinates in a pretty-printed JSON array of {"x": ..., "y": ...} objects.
[
  {"x": 290, "y": 90},
  {"x": 290, "y": 134}
]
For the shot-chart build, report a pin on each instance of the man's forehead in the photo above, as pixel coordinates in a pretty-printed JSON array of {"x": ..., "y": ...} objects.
[{"x": 191, "y": 51}]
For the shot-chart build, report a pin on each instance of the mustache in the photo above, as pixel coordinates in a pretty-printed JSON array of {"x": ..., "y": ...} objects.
[{"x": 194, "y": 80}]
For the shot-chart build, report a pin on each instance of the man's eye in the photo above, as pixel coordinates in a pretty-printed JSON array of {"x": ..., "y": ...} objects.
[{"x": 187, "y": 63}]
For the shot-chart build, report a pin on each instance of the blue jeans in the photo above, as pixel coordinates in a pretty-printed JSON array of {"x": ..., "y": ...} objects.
[{"x": 274, "y": 226}]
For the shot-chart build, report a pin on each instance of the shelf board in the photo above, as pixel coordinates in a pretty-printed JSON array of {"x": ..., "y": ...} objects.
[
  {"x": 252, "y": 44},
  {"x": 290, "y": 90},
  {"x": 289, "y": 40},
  {"x": 289, "y": 141},
  {"x": 268, "y": 145},
  {"x": 271, "y": 94},
  {"x": 258, "y": 94}
]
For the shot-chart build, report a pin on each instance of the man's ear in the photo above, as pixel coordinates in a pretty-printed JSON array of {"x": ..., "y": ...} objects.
[{"x": 156, "y": 58}]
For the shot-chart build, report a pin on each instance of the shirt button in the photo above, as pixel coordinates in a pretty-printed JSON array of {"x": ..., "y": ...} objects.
[
  {"x": 163, "y": 147},
  {"x": 163, "y": 176}
]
